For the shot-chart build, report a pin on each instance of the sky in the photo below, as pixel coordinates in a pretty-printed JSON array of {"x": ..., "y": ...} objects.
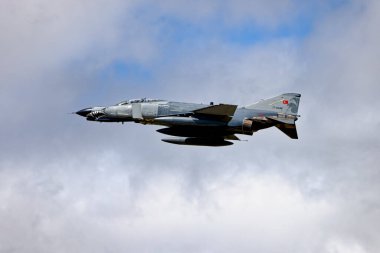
[{"x": 68, "y": 185}]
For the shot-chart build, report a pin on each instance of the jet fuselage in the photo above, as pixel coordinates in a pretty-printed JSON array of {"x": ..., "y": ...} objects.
[{"x": 202, "y": 124}]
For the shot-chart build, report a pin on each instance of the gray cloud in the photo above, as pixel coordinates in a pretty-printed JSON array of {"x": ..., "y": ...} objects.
[{"x": 69, "y": 185}]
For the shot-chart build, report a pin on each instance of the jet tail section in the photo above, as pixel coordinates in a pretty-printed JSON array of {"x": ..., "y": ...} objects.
[{"x": 286, "y": 104}]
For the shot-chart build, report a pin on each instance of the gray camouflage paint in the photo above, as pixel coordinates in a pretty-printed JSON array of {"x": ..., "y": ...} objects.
[{"x": 200, "y": 124}]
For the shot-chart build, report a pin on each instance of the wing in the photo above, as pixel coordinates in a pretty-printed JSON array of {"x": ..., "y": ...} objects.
[{"x": 222, "y": 112}]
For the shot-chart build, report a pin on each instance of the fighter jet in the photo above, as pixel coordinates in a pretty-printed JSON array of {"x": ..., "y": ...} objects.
[{"x": 203, "y": 124}]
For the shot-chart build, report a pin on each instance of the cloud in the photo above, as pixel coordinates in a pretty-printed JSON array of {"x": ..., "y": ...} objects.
[
  {"x": 251, "y": 206},
  {"x": 70, "y": 185}
]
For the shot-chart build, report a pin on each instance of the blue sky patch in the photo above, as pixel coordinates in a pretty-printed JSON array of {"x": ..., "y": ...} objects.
[{"x": 126, "y": 70}]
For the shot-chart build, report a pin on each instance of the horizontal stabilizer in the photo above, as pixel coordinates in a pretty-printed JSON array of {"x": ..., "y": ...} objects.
[{"x": 288, "y": 129}]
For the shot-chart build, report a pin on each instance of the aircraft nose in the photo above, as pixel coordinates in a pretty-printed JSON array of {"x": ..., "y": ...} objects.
[{"x": 84, "y": 112}]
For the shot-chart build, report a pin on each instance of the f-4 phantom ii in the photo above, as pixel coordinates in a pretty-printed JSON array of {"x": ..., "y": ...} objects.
[{"x": 203, "y": 124}]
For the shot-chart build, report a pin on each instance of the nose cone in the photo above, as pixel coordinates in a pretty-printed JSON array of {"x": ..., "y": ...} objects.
[{"x": 84, "y": 112}]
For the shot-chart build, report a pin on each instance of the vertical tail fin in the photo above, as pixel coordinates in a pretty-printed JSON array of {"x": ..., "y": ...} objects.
[{"x": 285, "y": 104}]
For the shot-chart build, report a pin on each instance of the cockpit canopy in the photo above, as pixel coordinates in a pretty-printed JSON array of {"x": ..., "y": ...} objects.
[{"x": 139, "y": 100}]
